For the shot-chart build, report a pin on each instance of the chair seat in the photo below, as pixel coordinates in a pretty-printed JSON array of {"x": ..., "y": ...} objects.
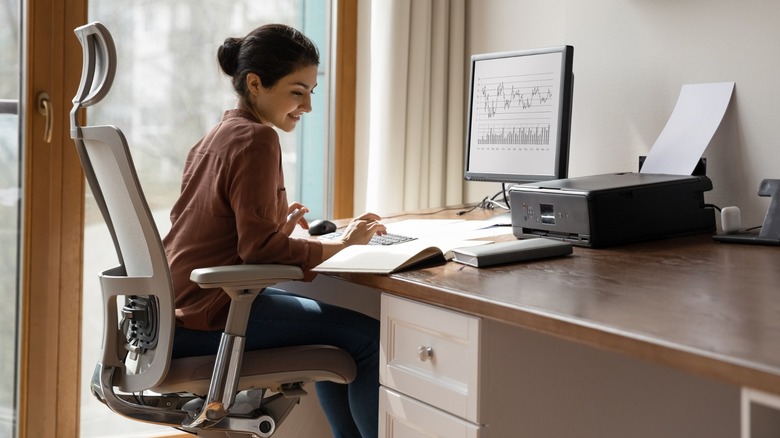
[{"x": 269, "y": 368}]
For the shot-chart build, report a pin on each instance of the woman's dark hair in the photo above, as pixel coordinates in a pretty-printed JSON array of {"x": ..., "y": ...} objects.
[{"x": 271, "y": 51}]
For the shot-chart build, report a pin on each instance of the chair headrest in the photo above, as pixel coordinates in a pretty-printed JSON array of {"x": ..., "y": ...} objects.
[{"x": 98, "y": 68}]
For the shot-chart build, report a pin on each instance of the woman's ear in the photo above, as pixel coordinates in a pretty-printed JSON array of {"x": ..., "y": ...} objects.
[{"x": 253, "y": 83}]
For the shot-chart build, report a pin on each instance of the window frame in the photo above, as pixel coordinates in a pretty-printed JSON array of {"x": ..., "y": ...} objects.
[{"x": 345, "y": 64}]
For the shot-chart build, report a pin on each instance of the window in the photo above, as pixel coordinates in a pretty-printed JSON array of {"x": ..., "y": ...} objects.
[
  {"x": 9, "y": 210},
  {"x": 167, "y": 94}
]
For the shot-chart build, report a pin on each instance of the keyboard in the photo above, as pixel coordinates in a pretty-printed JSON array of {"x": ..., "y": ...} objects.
[{"x": 387, "y": 239}]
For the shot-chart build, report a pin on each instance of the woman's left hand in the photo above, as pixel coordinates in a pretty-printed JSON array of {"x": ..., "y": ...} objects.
[{"x": 295, "y": 213}]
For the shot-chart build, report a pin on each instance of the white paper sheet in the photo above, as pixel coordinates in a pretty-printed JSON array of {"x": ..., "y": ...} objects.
[
  {"x": 441, "y": 231},
  {"x": 421, "y": 227},
  {"x": 696, "y": 117}
]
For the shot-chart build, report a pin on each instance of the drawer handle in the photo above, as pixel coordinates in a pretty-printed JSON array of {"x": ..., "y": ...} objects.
[{"x": 425, "y": 353}]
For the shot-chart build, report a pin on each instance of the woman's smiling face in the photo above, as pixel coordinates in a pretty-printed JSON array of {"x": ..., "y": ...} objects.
[{"x": 283, "y": 104}]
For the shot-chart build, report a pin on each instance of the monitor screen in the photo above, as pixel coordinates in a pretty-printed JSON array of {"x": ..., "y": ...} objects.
[{"x": 519, "y": 115}]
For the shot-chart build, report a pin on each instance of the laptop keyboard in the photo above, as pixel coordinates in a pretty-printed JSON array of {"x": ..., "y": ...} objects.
[{"x": 387, "y": 239}]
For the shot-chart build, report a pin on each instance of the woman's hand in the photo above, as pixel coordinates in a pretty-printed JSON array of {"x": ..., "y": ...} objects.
[
  {"x": 295, "y": 213},
  {"x": 358, "y": 232},
  {"x": 362, "y": 229}
]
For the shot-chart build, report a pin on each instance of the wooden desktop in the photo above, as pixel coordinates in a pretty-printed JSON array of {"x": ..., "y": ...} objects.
[{"x": 709, "y": 310}]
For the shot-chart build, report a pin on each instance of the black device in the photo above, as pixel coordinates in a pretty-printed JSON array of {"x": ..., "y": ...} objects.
[
  {"x": 612, "y": 209},
  {"x": 499, "y": 253},
  {"x": 519, "y": 115},
  {"x": 319, "y": 227}
]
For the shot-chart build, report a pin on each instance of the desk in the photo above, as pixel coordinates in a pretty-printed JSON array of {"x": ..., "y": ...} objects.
[{"x": 708, "y": 309}]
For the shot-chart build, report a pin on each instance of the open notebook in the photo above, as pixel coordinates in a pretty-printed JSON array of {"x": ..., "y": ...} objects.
[
  {"x": 381, "y": 259},
  {"x": 435, "y": 240}
]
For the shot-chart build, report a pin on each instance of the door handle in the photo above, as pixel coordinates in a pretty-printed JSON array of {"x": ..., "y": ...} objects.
[{"x": 44, "y": 108}]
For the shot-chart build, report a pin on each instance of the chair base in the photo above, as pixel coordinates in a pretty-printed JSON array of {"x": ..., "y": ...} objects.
[{"x": 254, "y": 414}]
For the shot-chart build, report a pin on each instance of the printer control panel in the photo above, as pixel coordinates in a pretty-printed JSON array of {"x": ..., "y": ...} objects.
[{"x": 550, "y": 215}]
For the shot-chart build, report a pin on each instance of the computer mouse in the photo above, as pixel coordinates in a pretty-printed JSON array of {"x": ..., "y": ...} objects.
[{"x": 321, "y": 226}]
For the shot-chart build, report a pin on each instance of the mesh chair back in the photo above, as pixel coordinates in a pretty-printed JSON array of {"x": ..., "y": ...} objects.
[{"x": 137, "y": 294}]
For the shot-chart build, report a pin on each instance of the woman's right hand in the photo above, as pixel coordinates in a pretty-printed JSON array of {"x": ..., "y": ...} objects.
[
  {"x": 358, "y": 232},
  {"x": 361, "y": 229}
]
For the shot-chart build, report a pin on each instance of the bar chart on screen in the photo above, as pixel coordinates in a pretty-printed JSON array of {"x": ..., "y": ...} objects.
[{"x": 538, "y": 134}]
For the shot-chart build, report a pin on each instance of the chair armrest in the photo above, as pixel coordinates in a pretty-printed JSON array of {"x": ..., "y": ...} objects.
[
  {"x": 241, "y": 277},
  {"x": 242, "y": 283}
]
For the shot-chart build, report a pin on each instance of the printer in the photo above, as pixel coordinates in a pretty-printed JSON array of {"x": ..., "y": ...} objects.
[{"x": 612, "y": 209}]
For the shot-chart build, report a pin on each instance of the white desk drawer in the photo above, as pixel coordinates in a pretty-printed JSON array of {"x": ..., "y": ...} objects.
[
  {"x": 446, "y": 377},
  {"x": 404, "y": 417}
]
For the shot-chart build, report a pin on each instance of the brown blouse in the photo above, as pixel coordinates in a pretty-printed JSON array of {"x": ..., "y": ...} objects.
[{"x": 231, "y": 211}]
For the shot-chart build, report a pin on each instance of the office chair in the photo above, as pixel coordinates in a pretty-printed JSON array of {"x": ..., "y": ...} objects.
[{"x": 230, "y": 394}]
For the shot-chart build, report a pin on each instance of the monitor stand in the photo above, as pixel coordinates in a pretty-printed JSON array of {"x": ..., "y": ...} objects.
[{"x": 770, "y": 230}]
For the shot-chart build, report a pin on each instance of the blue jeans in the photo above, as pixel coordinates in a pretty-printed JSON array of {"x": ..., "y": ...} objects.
[{"x": 280, "y": 319}]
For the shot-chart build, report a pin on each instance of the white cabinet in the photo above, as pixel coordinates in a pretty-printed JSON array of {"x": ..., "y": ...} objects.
[
  {"x": 447, "y": 374},
  {"x": 430, "y": 371}
]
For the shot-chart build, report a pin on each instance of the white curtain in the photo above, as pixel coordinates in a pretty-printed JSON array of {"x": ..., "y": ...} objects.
[{"x": 414, "y": 80}]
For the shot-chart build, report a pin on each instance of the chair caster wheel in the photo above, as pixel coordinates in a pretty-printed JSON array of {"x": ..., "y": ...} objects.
[{"x": 266, "y": 426}]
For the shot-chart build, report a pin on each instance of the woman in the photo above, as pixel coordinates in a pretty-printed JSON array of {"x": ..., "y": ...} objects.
[{"x": 233, "y": 209}]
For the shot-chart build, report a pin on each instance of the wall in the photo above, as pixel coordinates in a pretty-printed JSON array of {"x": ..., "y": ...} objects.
[{"x": 632, "y": 57}]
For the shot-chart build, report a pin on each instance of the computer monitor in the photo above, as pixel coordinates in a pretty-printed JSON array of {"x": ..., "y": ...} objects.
[{"x": 519, "y": 115}]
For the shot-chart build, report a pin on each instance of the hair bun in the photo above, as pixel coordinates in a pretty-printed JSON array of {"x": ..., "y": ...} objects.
[{"x": 227, "y": 55}]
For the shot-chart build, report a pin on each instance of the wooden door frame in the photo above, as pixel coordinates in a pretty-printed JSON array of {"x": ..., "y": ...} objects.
[{"x": 52, "y": 225}]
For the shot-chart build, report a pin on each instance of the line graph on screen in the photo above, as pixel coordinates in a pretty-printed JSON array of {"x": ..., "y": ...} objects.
[{"x": 514, "y": 109}]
